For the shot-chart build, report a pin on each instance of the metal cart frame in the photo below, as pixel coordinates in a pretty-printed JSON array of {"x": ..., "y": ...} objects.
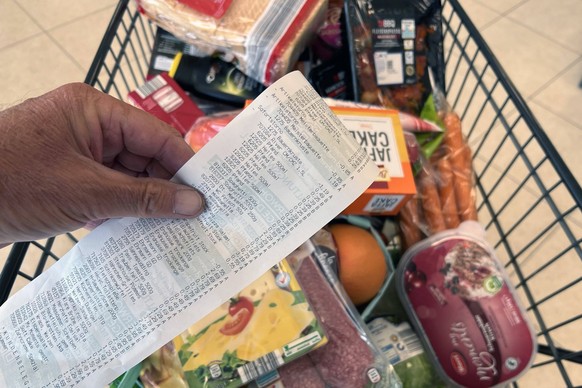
[{"x": 517, "y": 168}]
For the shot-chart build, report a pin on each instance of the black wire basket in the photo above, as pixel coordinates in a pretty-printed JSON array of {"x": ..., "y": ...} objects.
[{"x": 529, "y": 202}]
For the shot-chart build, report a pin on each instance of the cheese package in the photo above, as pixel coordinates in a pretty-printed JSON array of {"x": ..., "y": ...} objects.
[
  {"x": 266, "y": 325},
  {"x": 379, "y": 132}
]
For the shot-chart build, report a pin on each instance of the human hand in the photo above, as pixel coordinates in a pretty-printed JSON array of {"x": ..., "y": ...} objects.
[{"x": 75, "y": 156}]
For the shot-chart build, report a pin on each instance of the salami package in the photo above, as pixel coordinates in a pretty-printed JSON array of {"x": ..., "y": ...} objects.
[
  {"x": 393, "y": 43},
  {"x": 349, "y": 359},
  {"x": 467, "y": 313},
  {"x": 263, "y": 38}
]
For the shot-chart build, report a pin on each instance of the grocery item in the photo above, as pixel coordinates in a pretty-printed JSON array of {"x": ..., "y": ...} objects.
[
  {"x": 214, "y": 79},
  {"x": 361, "y": 263},
  {"x": 163, "y": 98},
  {"x": 328, "y": 39},
  {"x": 446, "y": 190},
  {"x": 349, "y": 359},
  {"x": 268, "y": 324},
  {"x": 301, "y": 373},
  {"x": 214, "y": 8},
  {"x": 393, "y": 43},
  {"x": 379, "y": 132},
  {"x": 410, "y": 217},
  {"x": 460, "y": 301},
  {"x": 163, "y": 369},
  {"x": 403, "y": 348},
  {"x": 206, "y": 127},
  {"x": 444, "y": 176},
  {"x": 165, "y": 48},
  {"x": 345, "y": 344},
  {"x": 459, "y": 154},
  {"x": 330, "y": 79},
  {"x": 409, "y": 122},
  {"x": 263, "y": 38},
  {"x": 430, "y": 201}
]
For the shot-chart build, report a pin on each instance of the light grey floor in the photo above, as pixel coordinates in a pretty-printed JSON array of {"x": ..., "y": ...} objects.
[{"x": 45, "y": 43}]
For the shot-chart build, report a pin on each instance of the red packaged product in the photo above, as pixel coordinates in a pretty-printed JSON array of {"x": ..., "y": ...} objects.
[
  {"x": 162, "y": 97},
  {"x": 205, "y": 128},
  {"x": 459, "y": 298},
  {"x": 349, "y": 359},
  {"x": 214, "y": 8}
]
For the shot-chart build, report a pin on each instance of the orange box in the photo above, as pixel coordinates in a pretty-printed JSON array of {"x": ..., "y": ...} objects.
[{"x": 379, "y": 132}]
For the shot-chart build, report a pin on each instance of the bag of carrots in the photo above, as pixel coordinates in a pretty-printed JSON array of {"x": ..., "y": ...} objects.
[{"x": 445, "y": 183}]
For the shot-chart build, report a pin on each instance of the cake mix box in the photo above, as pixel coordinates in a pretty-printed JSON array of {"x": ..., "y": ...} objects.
[{"x": 379, "y": 132}]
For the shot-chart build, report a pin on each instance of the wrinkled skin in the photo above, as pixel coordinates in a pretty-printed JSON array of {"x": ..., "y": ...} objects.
[{"x": 75, "y": 156}]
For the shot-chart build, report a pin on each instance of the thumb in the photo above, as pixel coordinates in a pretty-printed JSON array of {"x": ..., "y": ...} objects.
[{"x": 126, "y": 196}]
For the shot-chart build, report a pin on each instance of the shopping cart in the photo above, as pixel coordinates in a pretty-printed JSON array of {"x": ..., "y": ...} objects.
[{"x": 529, "y": 201}]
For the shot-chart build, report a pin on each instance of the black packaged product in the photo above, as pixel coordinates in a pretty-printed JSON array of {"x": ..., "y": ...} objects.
[
  {"x": 331, "y": 75},
  {"x": 166, "y": 46},
  {"x": 392, "y": 44},
  {"x": 332, "y": 79},
  {"x": 212, "y": 78}
]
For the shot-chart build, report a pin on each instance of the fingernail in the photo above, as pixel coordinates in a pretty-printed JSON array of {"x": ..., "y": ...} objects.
[{"x": 188, "y": 203}]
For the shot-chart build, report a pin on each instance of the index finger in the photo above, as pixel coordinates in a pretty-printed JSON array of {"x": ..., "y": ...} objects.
[{"x": 124, "y": 126}]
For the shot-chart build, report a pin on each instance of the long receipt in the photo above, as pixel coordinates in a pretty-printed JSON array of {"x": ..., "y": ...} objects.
[{"x": 279, "y": 172}]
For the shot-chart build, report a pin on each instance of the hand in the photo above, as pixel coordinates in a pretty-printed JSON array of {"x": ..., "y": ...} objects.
[{"x": 76, "y": 155}]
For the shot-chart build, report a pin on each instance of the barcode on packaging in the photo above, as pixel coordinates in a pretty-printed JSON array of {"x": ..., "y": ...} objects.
[
  {"x": 260, "y": 366},
  {"x": 411, "y": 341},
  {"x": 398, "y": 343},
  {"x": 151, "y": 86},
  {"x": 389, "y": 69},
  {"x": 383, "y": 203}
]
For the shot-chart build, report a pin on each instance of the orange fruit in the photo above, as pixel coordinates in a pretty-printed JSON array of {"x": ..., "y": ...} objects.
[{"x": 361, "y": 264}]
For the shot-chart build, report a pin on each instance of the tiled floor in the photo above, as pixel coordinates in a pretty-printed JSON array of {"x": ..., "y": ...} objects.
[{"x": 45, "y": 43}]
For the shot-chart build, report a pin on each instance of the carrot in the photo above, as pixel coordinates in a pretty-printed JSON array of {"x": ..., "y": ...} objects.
[
  {"x": 431, "y": 204},
  {"x": 409, "y": 221},
  {"x": 460, "y": 158},
  {"x": 446, "y": 187}
]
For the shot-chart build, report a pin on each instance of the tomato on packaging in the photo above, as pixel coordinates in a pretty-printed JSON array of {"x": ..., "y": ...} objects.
[{"x": 240, "y": 310}]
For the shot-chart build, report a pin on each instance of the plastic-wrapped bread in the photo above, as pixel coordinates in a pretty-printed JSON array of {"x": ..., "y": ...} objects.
[{"x": 263, "y": 37}]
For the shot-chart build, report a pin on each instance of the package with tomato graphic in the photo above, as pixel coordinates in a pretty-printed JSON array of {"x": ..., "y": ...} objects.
[{"x": 266, "y": 325}]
